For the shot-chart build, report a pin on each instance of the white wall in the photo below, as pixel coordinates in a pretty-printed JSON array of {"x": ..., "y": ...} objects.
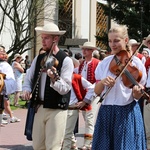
[
  {"x": 5, "y": 37},
  {"x": 102, "y": 1},
  {"x": 85, "y": 19}
]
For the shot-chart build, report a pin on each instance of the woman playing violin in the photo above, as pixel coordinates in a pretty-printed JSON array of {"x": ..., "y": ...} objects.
[{"x": 119, "y": 124}]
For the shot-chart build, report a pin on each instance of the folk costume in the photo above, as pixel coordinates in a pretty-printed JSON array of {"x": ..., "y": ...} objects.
[
  {"x": 51, "y": 102},
  {"x": 82, "y": 90},
  {"x": 51, "y": 95},
  {"x": 119, "y": 118},
  {"x": 132, "y": 43},
  {"x": 87, "y": 70}
]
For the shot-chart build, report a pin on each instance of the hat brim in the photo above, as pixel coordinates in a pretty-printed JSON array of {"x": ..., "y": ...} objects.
[
  {"x": 17, "y": 57},
  {"x": 135, "y": 44},
  {"x": 41, "y": 30},
  {"x": 103, "y": 50},
  {"x": 87, "y": 47}
]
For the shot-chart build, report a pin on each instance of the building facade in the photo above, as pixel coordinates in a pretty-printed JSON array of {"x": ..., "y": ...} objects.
[{"x": 82, "y": 19}]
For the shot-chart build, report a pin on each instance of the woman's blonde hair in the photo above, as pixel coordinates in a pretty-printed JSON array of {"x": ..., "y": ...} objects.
[{"x": 123, "y": 30}]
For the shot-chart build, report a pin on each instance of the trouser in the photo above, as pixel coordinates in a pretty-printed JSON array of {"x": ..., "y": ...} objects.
[
  {"x": 71, "y": 122},
  {"x": 89, "y": 118},
  {"x": 49, "y": 128},
  {"x": 147, "y": 122}
]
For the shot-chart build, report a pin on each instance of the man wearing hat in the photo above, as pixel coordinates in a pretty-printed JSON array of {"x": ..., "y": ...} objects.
[
  {"x": 87, "y": 70},
  {"x": 134, "y": 46},
  {"x": 48, "y": 89}
]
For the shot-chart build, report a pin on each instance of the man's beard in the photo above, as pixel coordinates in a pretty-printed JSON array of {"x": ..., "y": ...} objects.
[{"x": 45, "y": 49}]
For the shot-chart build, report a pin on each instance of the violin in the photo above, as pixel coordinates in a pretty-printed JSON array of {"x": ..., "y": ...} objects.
[
  {"x": 121, "y": 66},
  {"x": 51, "y": 62},
  {"x": 131, "y": 75}
]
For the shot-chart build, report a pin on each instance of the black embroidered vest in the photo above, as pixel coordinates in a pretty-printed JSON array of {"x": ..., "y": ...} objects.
[{"x": 52, "y": 99}]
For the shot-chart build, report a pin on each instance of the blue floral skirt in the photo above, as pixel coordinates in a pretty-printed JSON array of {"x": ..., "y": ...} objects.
[{"x": 119, "y": 128}]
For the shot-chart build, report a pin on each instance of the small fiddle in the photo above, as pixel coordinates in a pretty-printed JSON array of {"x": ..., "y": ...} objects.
[
  {"x": 123, "y": 68},
  {"x": 52, "y": 62},
  {"x": 131, "y": 75}
]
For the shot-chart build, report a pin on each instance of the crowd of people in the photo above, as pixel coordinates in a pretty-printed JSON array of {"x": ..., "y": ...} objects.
[
  {"x": 59, "y": 85},
  {"x": 16, "y": 72}
]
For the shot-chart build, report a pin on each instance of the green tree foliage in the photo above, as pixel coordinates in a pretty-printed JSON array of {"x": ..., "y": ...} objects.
[{"x": 133, "y": 13}]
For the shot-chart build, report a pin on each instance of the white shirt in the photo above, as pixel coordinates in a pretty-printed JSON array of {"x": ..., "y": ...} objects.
[
  {"x": 119, "y": 94},
  {"x": 89, "y": 94},
  {"x": 62, "y": 86},
  {"x": 10, "y": 83},
  {"x": 84, "y": 70},
  {"x": 143, "y": 60}
]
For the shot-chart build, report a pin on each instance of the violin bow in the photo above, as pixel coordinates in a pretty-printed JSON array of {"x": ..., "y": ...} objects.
[{"x": 123, "y": 70}]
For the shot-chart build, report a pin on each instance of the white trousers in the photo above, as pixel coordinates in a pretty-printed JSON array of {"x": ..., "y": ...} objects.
[
  {"x": 69, "y": 133},
  {"x": 89, "y": 118},
  {"x": 49, "y": 128}
]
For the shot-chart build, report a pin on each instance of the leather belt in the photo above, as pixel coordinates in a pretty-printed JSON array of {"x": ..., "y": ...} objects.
[{"x": 40, "y": 102}]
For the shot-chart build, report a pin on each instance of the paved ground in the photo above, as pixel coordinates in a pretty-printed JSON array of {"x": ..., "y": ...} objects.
[{"x": 12, "y": 135}]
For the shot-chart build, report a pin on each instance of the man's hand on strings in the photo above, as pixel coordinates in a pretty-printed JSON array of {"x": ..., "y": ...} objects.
[{"x": 52, "y": 73}]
